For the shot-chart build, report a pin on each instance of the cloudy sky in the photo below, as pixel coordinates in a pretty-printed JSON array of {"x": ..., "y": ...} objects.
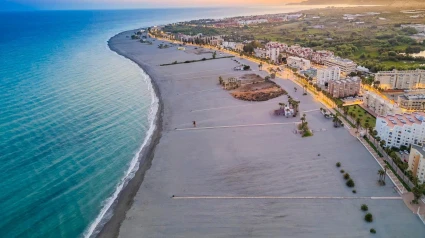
[{"x": 113, "y": 4}]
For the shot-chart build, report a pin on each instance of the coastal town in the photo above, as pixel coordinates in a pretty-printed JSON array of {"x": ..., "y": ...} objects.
[{"x": 311, "y": 92}]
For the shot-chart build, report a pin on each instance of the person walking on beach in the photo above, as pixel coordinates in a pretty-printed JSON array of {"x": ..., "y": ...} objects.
[{"x": 194, "y": 123}]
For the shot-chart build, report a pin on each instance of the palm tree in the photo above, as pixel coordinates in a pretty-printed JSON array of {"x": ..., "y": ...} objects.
[
  {"x": 357, "y": 124},
  {"x": 382, "y": 143},
  {"x": 418, "y": 191},
  {"x": 366, "y": 125},
  {"x": 374, "y": 133},
  {"x": 336, "y": 120},
  {"x": 345, "y": 109},
  {"x": 381, "y": 174},
  {"x": 303, "y": 119},
  {"x": 385, "y": 170}
]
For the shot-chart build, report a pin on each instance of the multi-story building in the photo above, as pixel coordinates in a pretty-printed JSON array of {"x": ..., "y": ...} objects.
[
  {"x": 379, "y": 105},
  {"x": 345, "y": 65},
  {"x": 417, "y": 162},
  {"x": 321, "y": 55},
  {"x": 402, "y": 129},
  {"x": 344, "y": 88},
  {"x": 274, "y": 53},
  {"x": 325, "y": 75},
  {"x": 239, "y": 46},
  {"x": 299, "y": 63},
  {"x": 412, "y": 102},
  {"x": 395, "y": 79}
]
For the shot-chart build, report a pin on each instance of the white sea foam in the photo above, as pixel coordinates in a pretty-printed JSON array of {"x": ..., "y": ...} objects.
[{"x": 106, "y": 213}]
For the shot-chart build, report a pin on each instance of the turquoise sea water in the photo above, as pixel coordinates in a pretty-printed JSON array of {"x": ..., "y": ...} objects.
[{"x": 73, "y": 115}]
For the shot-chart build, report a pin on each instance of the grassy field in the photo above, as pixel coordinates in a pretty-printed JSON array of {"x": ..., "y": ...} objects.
[{"x": 365, "y": 117}]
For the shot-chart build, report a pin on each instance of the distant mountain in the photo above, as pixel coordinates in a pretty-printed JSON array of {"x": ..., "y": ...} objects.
[{"x": 396, "y": 3}]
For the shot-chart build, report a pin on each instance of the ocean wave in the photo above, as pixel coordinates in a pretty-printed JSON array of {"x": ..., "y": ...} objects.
[{"x": 106, "y": 212}]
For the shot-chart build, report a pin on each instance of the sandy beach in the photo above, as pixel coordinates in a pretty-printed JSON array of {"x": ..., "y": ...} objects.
[{"x": 242, "y": 172}]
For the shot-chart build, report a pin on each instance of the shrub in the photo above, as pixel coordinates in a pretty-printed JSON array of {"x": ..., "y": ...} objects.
[
  {"x": 364, "y": 207},
  {"x": 368, "y": 217},
  {"x": 346, "y": 176},
  {"x": 354, "y": 191},
  {"x": 373, "y": 231},
  {"x": 350, "y": 183},
  {"x": 342, "y": 171},
  {"x": 338, "y": 164}
]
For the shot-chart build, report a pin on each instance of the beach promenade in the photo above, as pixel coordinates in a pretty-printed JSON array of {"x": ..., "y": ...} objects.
[{"x": 242, "y": 172}]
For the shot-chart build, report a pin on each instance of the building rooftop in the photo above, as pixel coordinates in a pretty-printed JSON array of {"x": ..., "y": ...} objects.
[
  {"x": 413, "y": 97},
  {"x": 340, "y": 60},
  {"x": 404, "y": 119},
  {"x": 420, "y": 149}
]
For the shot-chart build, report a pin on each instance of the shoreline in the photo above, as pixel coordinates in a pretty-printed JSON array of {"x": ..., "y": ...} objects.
[{"x": 126, "y": 196}]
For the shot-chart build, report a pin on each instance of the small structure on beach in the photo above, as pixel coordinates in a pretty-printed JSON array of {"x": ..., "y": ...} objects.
[
  {"x": 252, "y": 87},
  {"x": 231, "y": 83}
]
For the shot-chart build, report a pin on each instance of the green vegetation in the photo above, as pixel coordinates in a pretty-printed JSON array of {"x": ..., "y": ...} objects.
[
  {"x": 368, "y": 217},
  {"x": 346, "y": 176},
  {"x": 350, "y": 183},
  {"x": 249, "y": 48},
  {"x": 338, "y": 164},
  {"x": 364, "y": 207},
  {"x": 418, "y": 191},
  {"x": 193, "y": 61},
  {"x": 357, "y": 112},
  {"x": 342, "y": 171},
  {"x": 373, "y": 231},
  {"x": 303, "y": 126},
  {"x": 354, "y": 191}
]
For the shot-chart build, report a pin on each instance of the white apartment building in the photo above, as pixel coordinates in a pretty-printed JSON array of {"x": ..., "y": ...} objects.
[
  {"x": 274, "y": 54},
  {"x": 228, "y": 44},
  {"x": 417, "y": 162},
  {"x": 325, "y": 75},
  {"x": 345, "y": 65},
  {"x": 380, "y": 106},
  {"x": 402, "y": 129},
  {"x": 395, "y": 79},
  {"x": 299, "y": 63},
  {"x": 262, "y": 53}
]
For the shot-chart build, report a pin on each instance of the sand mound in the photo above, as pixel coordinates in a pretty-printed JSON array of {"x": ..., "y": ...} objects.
[{"x": 257, "y": 89}]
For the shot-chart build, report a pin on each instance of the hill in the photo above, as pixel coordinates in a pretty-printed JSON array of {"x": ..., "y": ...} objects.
[{"x": 395, "y": 3}]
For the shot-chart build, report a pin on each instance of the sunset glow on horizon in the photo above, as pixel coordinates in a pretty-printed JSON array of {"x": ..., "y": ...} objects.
[{"x": 116, "y": 4}]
